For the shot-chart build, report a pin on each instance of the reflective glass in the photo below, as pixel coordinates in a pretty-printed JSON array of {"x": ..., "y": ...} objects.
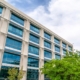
[
  {"x": 64, "y": 45},
  {"x": 11, "y": 58},
  {"x": 47, "y": 44},
  {"x": 57, "y": 56},
  {"x": 33, "y": 62},
  {"x": 47, "y": 54},
  {"x": 33, "y": 50},
  {"x": 46, "y": 78},
  {"x": 32, "y": 74},
  {"x": 1, "y": 8},
  {"x": 17, "y": 19},
  {"x": 57, "y": 48},
  {"x": 64, "y": 51},
  {"x": 15, "y": 30},
  {"x": 46, "y": 35},
  {"x": 34, "y": 38},
  {"x": 70, "y": 48},
  {"x": 34, "y": 28},
  {"x": 56, "y": 40},
  {"x": 13, "y": 43}
]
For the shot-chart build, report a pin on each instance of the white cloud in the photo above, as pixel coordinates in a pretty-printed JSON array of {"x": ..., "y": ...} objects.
[{"x": 63, "y": 18}]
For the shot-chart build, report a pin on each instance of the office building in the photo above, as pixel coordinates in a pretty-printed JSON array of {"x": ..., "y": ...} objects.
[{"x": 26, "y": 43}]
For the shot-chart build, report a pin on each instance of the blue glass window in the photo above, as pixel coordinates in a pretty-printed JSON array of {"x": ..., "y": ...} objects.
[
  {"x": 57, "y": 56},
  {"x": 46, "y": 35},
  {"x": 47, "y": 54},
  {"x": 47, "y": 44},
  {"x": 13, "y": 43},
  {"x": 34, "y": 38},
  {"x": 11, "y": 58},
  {"x": 34, "y": 28},
  {"x": 32, "y": 74},
  {"x": 64, "y": 51},
  {"x": 17, "y": 19},
  {"x": 33, "y": 50},
  {"x": 70, "y": 48},
  {"x": 64, "y": 45},
  {"x": 57, "y": 49},
  {"x": 15, "y": 30},
  {"x": 1, "y": 8},
  {"x": 57, "y": 41},
  {"x": 33, "y": 62}
]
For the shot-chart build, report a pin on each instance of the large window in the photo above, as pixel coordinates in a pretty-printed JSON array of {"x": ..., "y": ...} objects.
[
  {"x": 33, "y": 62},
  {"x": 64, "y": 51},
  {"x": 33, "y": 50},
  {"x": 11, "y": 58},
  {"x": 47, "y": 54},
  {"x": 46, "y": 35},
  {"x": 17, "y": 19},
  {"x": 1, "y": 8},
  {"x": 34, "y": 38},
  {"x": 57, "y": 56},
  {"x": 34, "y": 28},
  {"x": 57, "y": 41},
  {"x": 32, "y": 74},
  {"x": 70, "y": 48},
  {"x": 57, "y": 49},
  {"x": 47, "y": 44},
  {"x": 13, "y": 43},
  {"x": 64, "y": 45},
  {"x": 15, "y": 30}
]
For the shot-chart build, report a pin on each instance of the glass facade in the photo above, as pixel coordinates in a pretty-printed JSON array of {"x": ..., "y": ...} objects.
[
  {"x": 70, "y": 48},
  {"x": 33, "y": 62},
  {"x": 47, "y": 44},
  {"x": 34, "y": 38},
  {"x": 17, "y": 19},
  {"x": 35, "y": 29},
  {"x": 64, "y": 45},
  {"x": 64, "y": 51},
  {"x": 15, "y": 30},
  {"x": 1, "y": 8},
  {"x": 46, "y": 35},
  {"x": 32, "y": 74},
  {"x": 11, "y": 58},
  {"x": 57, "y": 41},
  {"x": 47, "y": 54},
  {"x": 13, "y": 43},
  {"x": 57, "y": 48},
  {"x": 33, "y": 50},
  {"x": 57, "y": 56}
]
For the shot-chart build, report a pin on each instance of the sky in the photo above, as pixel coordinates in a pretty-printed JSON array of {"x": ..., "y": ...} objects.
[{"x": 60, "y": 16}]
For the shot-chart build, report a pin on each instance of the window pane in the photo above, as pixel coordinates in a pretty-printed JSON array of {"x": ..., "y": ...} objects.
[
  {"x": 47, "y": 44},
  {"x": 13, "y": 43},
  {"x": 46, "y": 78},
  {"x": 64, "y": 51},
  {"x": 11, "y": 58},
  {"x": 35, "y": 29},
  {"x": 33, "y": 50},
  {"x": 47, "y": 54},
  {"x": 57, "y": 48},
  {"x": 56, "y": 40},
  {"x": 46, "y": 35},
  {"x": 70, "y": 48},
  {"x": 1, "y": 8},
  {"x": 32, "y": 74},
  {"x": 17, "y": 19},
  {"x": 64, "y": 45},
  {"x": 57, "y": 56},
  {"x": 13, "y": 29},
  {"x": 33, "y": 62},
  {"x": 34, "y": 38}
]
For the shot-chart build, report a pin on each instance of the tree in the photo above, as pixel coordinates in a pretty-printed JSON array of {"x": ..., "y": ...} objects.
[
  {"x": 15, "y": 74},
  {"x": 67, "y": 68}
]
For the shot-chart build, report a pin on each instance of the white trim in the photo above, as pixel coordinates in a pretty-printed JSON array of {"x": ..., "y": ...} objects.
[
  {"x": 34, "y": 43},
  {"x": 47, "y": 58},
  {"x": 33, "y": 54},
  {"x": 33, "y": 68},
  {"x": 12, "y": 49}
]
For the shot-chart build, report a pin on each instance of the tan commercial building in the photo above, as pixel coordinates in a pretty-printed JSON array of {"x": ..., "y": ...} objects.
[{"x": 25, "y": 42}]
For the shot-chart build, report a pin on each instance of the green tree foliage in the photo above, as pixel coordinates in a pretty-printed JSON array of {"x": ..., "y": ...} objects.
[
  {"x": 15, "y": 74},
  {"x": 67, "y": 68}
]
